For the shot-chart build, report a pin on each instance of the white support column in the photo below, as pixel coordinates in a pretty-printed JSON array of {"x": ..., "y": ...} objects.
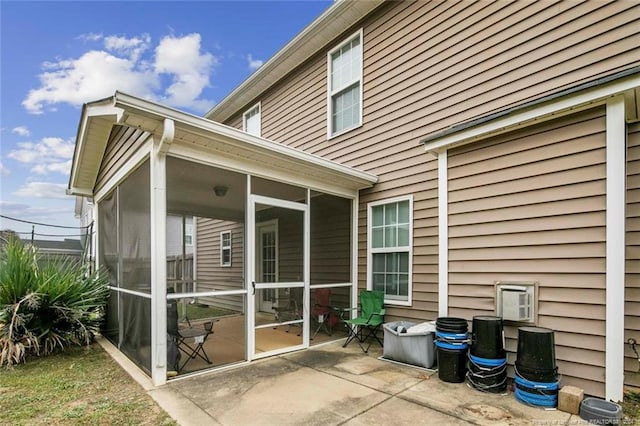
[
  {"x": 306, "y": 312},
  {"x": 615, "y": 264},
  {"x": 354, "y": 251},
  {"x": 158, "y": 218},
  {"x": 250, "y": 268},
  {"x": 443, "y": 235}
]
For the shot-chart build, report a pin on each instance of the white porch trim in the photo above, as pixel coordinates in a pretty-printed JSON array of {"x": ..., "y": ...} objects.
[
  {"x": 615, "y": 278},
  {"x": 158, "y": 219},
  {"x": 443, "y": 235},
  {"x": 570, "y": 104}
]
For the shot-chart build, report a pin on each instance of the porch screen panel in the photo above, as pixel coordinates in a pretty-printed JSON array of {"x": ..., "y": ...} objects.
[
  {"x": 136, "y": 329},
  {"x": 330, "y": 239},
  {"x": 135, "y": 252},
  {"x": 135, "y": 231},
  {"x": 108, "y": 260},
  {"x": 108, "y": 236},
  {"x": 288, "y": 244},
  {"x": 111, "y": 324}
]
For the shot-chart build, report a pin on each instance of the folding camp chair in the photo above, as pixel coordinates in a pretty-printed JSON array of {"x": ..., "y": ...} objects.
[
  {"x": 289, "y": 307},
  {"x": 368, "y": 321},
  {"x": 199, "y": 336}
]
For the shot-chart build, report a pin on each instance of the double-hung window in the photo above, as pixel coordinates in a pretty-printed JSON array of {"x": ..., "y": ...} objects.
[
  {"x": 390, "y": 235},
  {"x": 225, "y": 248},
  {"x": 188, "y": 234},
  {"x": 251, "y": 120},
  {"x": 344, "y": 103}
]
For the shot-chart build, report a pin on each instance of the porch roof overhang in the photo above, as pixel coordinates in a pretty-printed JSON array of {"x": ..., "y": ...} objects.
[
  {"x": 574, "y": 99},
  {"x": 195, "y": 135}
]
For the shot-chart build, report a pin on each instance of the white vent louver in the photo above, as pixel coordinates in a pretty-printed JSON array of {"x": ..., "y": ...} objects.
[{"x": 516, "y": 302}]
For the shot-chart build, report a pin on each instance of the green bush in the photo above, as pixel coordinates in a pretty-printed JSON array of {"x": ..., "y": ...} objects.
[{"x": 46, "y": 308}]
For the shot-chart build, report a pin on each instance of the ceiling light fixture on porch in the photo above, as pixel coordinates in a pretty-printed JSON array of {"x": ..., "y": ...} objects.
[{"x": 220, "y": 191}]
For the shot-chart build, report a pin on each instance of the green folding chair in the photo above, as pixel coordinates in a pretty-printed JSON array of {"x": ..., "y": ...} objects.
[{"x": 368, "y": 321}]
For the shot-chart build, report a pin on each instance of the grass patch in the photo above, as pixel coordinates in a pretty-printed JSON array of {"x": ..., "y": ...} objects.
[
  {"x": 631, "y": 406},
  {"x": 197, "y": 311},
  {"x": 77, "y": 386}
]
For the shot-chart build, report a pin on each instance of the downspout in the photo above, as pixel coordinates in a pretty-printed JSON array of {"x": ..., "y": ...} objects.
[{"x": 158, "y": 218}]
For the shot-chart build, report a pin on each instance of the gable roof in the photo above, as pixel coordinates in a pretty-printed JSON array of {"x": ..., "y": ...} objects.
[{"x": 315, "y": 37}]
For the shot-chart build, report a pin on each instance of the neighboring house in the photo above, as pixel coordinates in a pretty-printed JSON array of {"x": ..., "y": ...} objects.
[
  {"x": 67, "y": 250},
  {"x": 433, "y": 150},
  {"x": 180, "y": 244},
  {"x": 84, "y": 212}
]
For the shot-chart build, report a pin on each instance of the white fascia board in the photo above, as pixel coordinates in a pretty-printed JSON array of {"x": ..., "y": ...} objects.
[
  {"x": 537, "y": 114},
  {"x": 103, "y": 110},
  {"x": 230, "y": 135},
  {"x": 336, "y": 19}
]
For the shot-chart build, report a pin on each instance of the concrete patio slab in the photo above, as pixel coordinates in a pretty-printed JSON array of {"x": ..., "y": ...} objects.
[
  {"x": 331, "y": 385},
  {"x": 396, "y": 411}
]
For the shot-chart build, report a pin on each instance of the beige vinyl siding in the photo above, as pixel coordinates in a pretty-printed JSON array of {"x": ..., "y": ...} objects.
[
  {"x": 210, "y": 275},
  {"x": 632, "y": 290},
  {"x": 429, "y": 65},
  {"x": 123, "y": 143},
  {"x": 530, "y": 206}
]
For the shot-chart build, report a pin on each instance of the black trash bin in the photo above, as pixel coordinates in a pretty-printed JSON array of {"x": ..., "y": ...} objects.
[{"x": 452, "y": 344}]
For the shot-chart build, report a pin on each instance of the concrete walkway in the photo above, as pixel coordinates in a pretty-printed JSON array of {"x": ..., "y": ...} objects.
[{"x": 330, "y": 385}]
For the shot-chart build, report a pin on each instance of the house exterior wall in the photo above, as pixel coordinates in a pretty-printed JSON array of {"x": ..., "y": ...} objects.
[
  {"x": 429, "y": 65},
  {"x": 530, "y": 207},
  {"x": 632, "y": 290},
  {"x": 210, "y": 274}
]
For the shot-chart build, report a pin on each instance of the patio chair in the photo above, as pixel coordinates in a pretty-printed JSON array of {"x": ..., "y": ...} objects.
[
  {"x": 322, "y": 313},
  {"x": 199, "y": 336},
  {"x": 369, "y": 319},
  {"x": 289, "y": 307}
]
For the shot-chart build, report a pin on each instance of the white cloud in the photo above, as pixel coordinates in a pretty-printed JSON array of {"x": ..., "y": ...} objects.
[
  {"x": 42, "y": 190},
  {"x": 94, "y": 75},
  {"x": 4, "y": 171},
  {"x": 90, "y": 37},
  {"x": 21, "y": 130},
  {"x": 130, "y": 47},
  {"x": 181, "y": 57},
  {"x": 48, "y": 155},
  {"x": 63, "y": 167},
  {"x": 127, "y": 64},
  {"x": 254, "y": 64}
]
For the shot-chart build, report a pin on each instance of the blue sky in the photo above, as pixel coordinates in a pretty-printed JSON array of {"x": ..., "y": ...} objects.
[{"x": 55, "y": 56}]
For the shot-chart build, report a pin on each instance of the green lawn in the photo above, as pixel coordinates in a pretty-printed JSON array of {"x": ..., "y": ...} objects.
[{"x": 78, "y": 386}]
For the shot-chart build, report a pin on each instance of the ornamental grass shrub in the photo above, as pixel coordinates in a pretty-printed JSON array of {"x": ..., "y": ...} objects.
[{"x": 48, "y": 307}]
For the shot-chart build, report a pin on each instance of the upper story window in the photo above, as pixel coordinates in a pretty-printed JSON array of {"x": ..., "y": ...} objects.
[
  {"x": 225, "y": 248},
  {"x": 344, "y": 103},
  {"x": 390, "y": 236},
  {"x": 251, "y": 120}
]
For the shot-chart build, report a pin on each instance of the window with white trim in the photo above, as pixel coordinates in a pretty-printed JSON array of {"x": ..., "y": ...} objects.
[
  {"x": 251, "y": 120},
  {"x": 345, "y": 86},
  {"x": 188, "y": 234},
  {"x": 390, "y": 237},
  {"x": 225, "y": 248}
]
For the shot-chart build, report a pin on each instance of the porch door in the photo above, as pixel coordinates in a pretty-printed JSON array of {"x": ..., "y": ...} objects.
[{"x": 280, "y": 287}]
